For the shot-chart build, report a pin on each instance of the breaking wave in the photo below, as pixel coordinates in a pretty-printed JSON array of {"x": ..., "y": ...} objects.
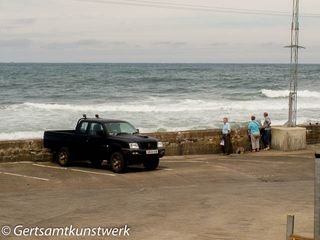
[
  {"x": 285, "y": 93},
  {"x": 181, "y": 106}
]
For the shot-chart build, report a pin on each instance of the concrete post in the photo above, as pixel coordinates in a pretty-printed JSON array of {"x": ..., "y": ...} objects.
[
  {"x": 289, "y": 139},
  {"x": 290, "y": 226},
  {"x": 317, "y": 198}
]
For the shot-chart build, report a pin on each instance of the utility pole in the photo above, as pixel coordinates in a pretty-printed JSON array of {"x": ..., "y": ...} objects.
[
  {"x": 292, "y": 118},
  {"x": 317, "y": 198}
]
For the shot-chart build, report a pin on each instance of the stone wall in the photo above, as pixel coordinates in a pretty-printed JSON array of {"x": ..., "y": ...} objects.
[
  {"x": 23, "y": 150},
  {"x": 313, "y": 133},
  {"x": 200, "y": 141},
  {"x": 176, "y": 143}
]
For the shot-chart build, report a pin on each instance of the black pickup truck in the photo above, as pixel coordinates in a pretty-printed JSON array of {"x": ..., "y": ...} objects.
[{"x": 97, "y": 139}]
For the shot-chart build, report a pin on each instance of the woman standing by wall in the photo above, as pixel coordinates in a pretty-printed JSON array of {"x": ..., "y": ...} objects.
[{"x": 254, "y": 131}]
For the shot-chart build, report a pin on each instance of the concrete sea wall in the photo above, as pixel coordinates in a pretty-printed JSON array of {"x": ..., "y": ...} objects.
[
  {"x": 23, "y": 150},
  {"x": 201, "y": 141},
  {"x": 177, "y": 143}
]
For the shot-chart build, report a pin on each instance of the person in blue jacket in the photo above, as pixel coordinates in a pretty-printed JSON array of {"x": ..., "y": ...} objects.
[{"x": 254, "y": 131}]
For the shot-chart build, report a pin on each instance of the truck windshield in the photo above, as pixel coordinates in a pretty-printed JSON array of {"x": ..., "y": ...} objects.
[{"x": 117, "y": 128}]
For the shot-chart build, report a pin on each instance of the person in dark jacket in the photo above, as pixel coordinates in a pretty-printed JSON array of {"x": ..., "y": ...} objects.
[
  {"x": 266, "y": 136},
  {"x": 226, "y": 141}
]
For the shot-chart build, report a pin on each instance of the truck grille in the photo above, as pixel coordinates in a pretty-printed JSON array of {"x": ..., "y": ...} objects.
[{"x": 148, "y": 145}]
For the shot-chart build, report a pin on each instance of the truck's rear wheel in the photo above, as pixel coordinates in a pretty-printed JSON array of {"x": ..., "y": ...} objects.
[
  {"x": 64, "y": 157},
  {"x": 151, "y": 164},
  {"x": 117, "y": 162}
]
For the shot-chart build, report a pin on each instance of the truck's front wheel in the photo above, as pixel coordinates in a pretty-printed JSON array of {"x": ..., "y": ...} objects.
[
  {"x": 117, "y": 162},
  {"x": 64, "y": 157}
]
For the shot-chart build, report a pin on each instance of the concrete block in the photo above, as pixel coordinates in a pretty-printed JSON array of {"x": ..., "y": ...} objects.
[{"x": 289, "y": 139}]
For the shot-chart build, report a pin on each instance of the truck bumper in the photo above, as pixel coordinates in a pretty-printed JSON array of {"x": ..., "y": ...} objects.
[{"x": 139, "y": 156}]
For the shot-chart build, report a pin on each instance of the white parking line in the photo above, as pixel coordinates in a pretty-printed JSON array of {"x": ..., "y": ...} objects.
[
  {"x": 47, "y": 166},
  {"x": 185, "y": 161},
  {"x": 75, "y": 170},
  {"x": 98, "y": 173},
  {"x": 25, "y": 176},
  {"x": 21, "y": 162}
]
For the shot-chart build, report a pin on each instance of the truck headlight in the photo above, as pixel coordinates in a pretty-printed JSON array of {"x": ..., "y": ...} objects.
[
  {"x": 133, "y": 145},
  {"x": 160, "y": 145}
]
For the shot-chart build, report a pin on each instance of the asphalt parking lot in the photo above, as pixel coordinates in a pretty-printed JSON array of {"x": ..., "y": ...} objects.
[{"x": 188, "y": 197}]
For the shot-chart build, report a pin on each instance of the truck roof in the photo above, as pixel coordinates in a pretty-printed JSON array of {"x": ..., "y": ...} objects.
[{"x": 101, "y": 120}]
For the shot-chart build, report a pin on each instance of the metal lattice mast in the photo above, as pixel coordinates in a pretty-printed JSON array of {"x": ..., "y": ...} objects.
[{"x": 292, "y": 118}]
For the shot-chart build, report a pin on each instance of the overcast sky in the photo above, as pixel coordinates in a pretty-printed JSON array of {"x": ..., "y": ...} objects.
[{"x": 155, "y": 31}]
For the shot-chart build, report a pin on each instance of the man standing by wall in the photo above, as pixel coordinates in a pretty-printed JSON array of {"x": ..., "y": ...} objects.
[
  {"x": 226, "y": 131},
  {"x": 266, "y": 137}
]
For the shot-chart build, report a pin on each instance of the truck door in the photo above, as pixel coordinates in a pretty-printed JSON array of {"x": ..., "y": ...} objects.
[
  {"x": 81, "y": 141},
  {"x": 95, "y": 141}
]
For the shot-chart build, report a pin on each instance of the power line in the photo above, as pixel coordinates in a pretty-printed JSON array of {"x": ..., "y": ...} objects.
[
  {"x": 183, "y": 7},
  {"x": 203, "y": 8},
  {"x": 212, "y": 7}
]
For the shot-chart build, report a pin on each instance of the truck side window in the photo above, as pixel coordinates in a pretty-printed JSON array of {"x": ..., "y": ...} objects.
[
  {"x": 94, "y": 128},
  {"x": 113, "y": 128},
  {"x": 83, "y": 127}
]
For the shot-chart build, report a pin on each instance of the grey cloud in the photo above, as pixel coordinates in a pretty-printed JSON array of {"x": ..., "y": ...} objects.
[
  {"x": 10, "y": 24},
  {"x": 75, "y": 44},
  {"x": 57, "y": 45},
  {"x": 162, "y": 43},
  {"x": 86, "y": 43},
  {"x": 170, "y": 44},
  {"x": 16, "y": 23},
  {"x": 269, "y": 44},
  {"x": 90, "y": 1},
  {"x": 16, "y": 43},
  {"x": 23, "y": 21},
  {"x": 117, "y": 43},
  {"x": 100, "y": 44},
  {"x": 218, "y": 44}
]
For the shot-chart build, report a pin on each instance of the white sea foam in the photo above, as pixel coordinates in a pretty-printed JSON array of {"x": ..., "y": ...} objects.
[
  {"x": 180, "y": 106},
  {"x": 21, "y": 135},
  {"x": 285, "y": 93}
]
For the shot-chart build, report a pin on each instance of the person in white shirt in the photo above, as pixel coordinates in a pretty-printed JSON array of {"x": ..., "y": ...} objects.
[{"x": 226, "y": 131}]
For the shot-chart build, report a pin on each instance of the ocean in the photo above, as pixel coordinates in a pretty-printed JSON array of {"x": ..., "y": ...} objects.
[{"x": 154, "y": 97}]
